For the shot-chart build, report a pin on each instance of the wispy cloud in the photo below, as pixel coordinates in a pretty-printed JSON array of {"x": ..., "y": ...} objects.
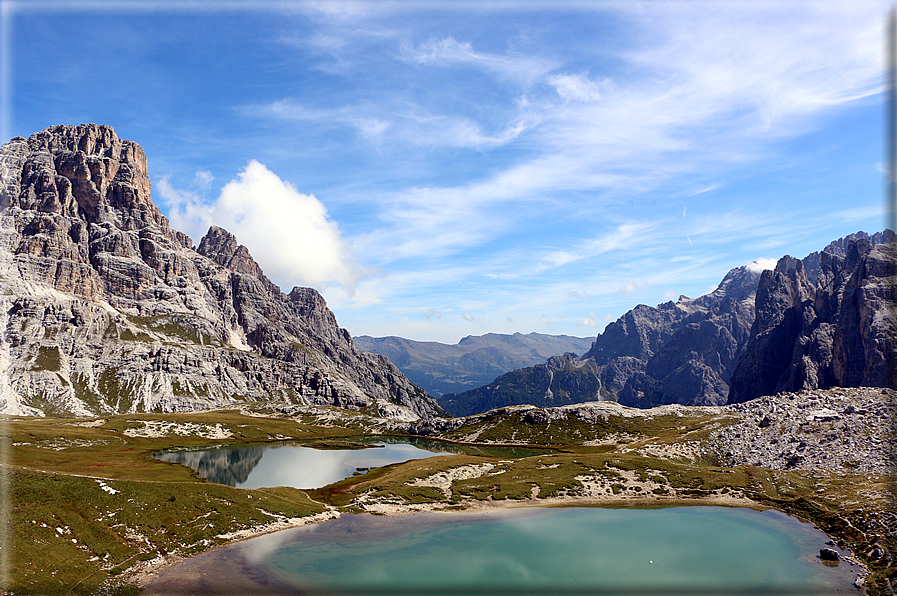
[{"x": 523, "y": 69}]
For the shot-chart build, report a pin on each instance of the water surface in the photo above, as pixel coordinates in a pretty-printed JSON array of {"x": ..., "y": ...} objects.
[
  {"x": 291, "y": 465},
  {"x": 685, "y": 550}
]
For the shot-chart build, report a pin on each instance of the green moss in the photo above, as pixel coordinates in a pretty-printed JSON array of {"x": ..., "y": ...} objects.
[
  {"x": 48, "y": 358},
  {"x": 128, "y": 335}
]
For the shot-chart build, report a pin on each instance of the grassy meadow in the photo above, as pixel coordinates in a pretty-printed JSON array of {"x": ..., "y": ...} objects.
[{"x": 88, "y": 505}]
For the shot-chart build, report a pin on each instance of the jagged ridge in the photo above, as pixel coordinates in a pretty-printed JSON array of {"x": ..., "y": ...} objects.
[
  {"x": 813, "y": 323},
  {"x": 106, "y": 309}
]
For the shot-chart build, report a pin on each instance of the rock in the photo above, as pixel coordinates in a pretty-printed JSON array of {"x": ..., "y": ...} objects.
[
  {"x": 676, "y": 353},
  {"x": 836, "y": 333},
  {"x": 105, "y": 309},
  {"x": 829, "y": 554}
]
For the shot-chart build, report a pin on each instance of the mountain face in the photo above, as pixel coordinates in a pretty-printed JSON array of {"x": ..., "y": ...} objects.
[
  {"x": 819, "y": 322},
  {"x": 105, "y": 309},
  {"x": 678, "y": 352},
  {"x": 836, "y": 330},
  {"x": 474, "y": 361}
]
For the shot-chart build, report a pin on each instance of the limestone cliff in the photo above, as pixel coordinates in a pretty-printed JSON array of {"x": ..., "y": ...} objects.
[
  {"x": 823, "y": 321},
  {"x": 836, "y": 332},
  {"x": 104, "y": 308}
]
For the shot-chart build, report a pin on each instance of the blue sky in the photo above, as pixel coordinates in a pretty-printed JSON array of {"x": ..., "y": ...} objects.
[{"x": 442, "y": 169}]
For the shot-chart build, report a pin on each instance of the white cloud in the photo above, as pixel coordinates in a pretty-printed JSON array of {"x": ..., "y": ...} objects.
[
  {"x": 524, "y": 69},
  {"x": 360, "y": 117},
  {"x": 761, "y": 265},
  {"x": 593, "y": 320},
  {"x": 630, "y": 286},
  {"x": 467, "y": 316},
  {"x": 579, "y": 87},
  {"x": 431, "y": 314},
  {"x": 203, "y": 179},
  {"x": 288, "y": 232}
]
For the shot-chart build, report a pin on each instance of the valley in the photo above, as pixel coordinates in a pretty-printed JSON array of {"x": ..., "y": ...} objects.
[
  {"x": 92, "y": 511},
  {"x": 121, "y": 339}
]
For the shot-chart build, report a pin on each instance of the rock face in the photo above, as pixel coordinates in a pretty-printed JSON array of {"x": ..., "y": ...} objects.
[
  {"x": 474, "y": 361},
  {"x": 823, "y": 321},
  {"x": 836, "y": 332},
  {"x": 104, "y": 308},
  {"x": 678, "y": 352}
]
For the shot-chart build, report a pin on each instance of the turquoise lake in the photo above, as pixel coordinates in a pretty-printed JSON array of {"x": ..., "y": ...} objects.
[{"x": 682, "y": 550}]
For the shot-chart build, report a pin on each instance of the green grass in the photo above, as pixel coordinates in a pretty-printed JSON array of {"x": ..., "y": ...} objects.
[
  {"x": 164, "y": 508},
  {"x": 48, "y": 358},
  {"x": 71, "y": 534}
]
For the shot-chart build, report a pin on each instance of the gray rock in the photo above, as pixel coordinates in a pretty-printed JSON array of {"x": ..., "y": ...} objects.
[
  {"x": 836, "y": 333},
  {"x": 104, "y": 308}
]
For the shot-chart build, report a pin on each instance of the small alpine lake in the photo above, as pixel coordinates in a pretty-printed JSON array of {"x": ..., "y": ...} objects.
[
  {"x": 582, "y": 550},
  {"x": 310, "y": 467}
]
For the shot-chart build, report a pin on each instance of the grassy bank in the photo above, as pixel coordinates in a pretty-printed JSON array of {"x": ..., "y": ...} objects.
[{"x": 89, "y": 503}]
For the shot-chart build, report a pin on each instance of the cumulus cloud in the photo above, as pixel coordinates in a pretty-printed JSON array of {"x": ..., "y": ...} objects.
[
  {"x": 593, "y": 320},
  {"x": 288, "y": 232},
  {"x": 761, "y": 265}
]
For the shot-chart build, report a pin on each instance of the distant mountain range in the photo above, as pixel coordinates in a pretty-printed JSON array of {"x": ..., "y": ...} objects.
[
  {"x": 819, "y": 322},
  {"x": 474, "y": 361}
]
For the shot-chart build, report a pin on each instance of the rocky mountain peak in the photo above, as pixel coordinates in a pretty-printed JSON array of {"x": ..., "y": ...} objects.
[
  {"x": 834, "y": 331},
  {"x": 104, "y": 308},
  {"x": 83, "y": 171},
  {"x": 221, "y": 246},
  {"x": 818, "y": 322}
]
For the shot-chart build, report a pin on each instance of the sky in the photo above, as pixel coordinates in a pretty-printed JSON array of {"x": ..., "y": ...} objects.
[{"x": 453, "y": 168}]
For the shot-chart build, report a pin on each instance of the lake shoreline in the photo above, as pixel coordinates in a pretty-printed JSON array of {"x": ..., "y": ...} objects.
[{"x": 146, "y": 572}]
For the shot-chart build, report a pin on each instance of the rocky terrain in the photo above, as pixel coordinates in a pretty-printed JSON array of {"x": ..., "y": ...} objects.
[
  {"x": 474, "y": 361},
  {"x": 818, "y": 322},
  {"x": 835, "y": 429},
  {"x": 832, "y": 331},
  {"x": 104, "y": 308}
]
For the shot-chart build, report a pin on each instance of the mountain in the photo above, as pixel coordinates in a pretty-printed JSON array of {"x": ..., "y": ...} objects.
[
  {"x": 474, "y": 361},
  {"x": 818, "y": 329},
  {"x": 816, "y": 322},
  {"x": 105, "y": 309},
  {"x": 676, "y": 352}
]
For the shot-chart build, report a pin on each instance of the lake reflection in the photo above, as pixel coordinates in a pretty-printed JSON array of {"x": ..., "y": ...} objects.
[
  {"x": 291, "y": 465},
  {"x": 686, "y": 550}
]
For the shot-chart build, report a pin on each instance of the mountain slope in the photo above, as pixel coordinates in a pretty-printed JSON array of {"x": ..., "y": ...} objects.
[
  {"x": 104, "y": 308},
  {"x": 836, "y": 332},
  {"x": 820, "y": 322},
  {"x": 474, "y": 361}
]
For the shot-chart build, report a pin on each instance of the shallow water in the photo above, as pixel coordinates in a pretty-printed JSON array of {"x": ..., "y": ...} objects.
[{"x": 684, "y": 550}]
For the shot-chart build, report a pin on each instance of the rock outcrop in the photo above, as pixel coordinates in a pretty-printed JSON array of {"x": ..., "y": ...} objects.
[
  {"x": 837, "y": 332},
  {"x": 823, "y": 321},
  {"x": 680, "y": 352},
  {"x": 105, "y": 308}
]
